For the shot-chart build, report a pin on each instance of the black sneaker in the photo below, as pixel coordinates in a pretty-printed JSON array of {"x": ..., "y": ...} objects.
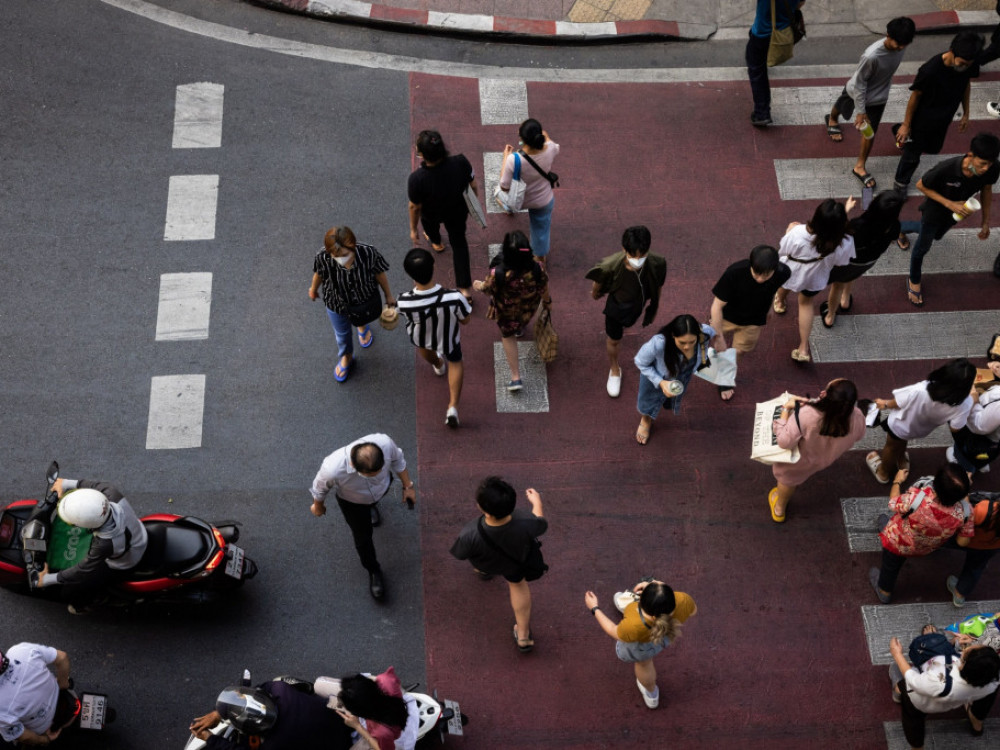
[
  {"x": 760, "y": 121},
  {"x": 376, "y": 585},
  {"x": 376, "y": 516}
]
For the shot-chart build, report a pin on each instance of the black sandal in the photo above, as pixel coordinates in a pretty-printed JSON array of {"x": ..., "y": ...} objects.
[{"x": 824, "y": 308}]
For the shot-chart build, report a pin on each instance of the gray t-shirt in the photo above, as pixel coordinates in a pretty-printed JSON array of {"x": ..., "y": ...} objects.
[{"x": 871, "y": 81}]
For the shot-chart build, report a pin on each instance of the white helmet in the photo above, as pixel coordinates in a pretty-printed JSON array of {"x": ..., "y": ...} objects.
[{"x": 86, "y": 508}]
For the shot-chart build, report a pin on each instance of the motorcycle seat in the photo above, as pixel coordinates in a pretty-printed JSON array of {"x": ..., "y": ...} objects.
[{"x": 172, "y": 547}]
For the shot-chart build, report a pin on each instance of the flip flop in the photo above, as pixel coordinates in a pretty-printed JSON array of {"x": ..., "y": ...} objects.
[
  {"x": 435, "y": 248},
  {"x": 772, "y": 498},
  {"x": 873, "y": 461},
  {"x": 865, "y": 179},
  {"x": 340, "y": 374},
  {"x": 778, "y": 306},
  {"x": 365, "y": 333},
  {"x": 832, "y": 130},
  {"x": 903, "y": 242},
  {"x": 724, "y": 389},
  {"x": 824, "y": 309},
  {"x": 527, "y": 646},
  {"x": 915, "y": 296},
  {"x": 800, "y": 357}
]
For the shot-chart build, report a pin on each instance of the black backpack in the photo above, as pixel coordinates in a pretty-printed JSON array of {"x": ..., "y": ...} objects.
[{"x": 928, "y": 645}]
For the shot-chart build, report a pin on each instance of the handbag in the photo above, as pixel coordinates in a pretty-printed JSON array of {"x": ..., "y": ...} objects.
[
  {"x": 512, "y": 200},
  {"x": 721, "y": 369},
  {"x": 764, "y": 447},
  {"x": 533, "y": 566},
  {"x": 782, "y": 45},
  {"x": 365, "y": 312},
  {"x": 546, "y": 338},
  {"x": 552, "y": 177}
]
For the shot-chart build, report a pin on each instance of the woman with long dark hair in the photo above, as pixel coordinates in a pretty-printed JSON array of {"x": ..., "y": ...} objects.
[
  {"x": 873, "y": 232},
  {"x": 823, "y": 429},
  {"x": 374, "y": 708},
  {"x": 918, "y": 409},
  {"x": 666, "y": 362},
  {"x": 811, "y": 251},
  {"x": 539, "y": 198},
  {"x": 652, "y": 615},
  {"x": 515, "y": 285}
]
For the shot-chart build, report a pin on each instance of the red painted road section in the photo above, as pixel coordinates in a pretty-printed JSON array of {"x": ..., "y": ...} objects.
[{"x": 776, "y": 656}]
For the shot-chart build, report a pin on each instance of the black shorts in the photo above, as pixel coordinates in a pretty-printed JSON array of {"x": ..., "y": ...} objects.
[
  {"x": 850, "y": 272},
  {"x": 845, "y": 105},
  {"x": 807, "y": 293},
  {"x": 455, "y": 355},
  {"x": 613, "y": 328}
]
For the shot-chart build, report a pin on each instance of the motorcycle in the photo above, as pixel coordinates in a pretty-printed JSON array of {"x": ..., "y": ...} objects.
[
  {"x": 90, "y": 711},
  {"x": 426, "y": 714},
  {"x": 186, "y": 560}
]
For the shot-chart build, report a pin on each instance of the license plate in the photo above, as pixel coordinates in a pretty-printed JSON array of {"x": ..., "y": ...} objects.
[
  {"x": 234, "y": 562},
  {"x": 35, "y": 545},
  {"x": 455, "y": 722},
  {"x": 92, "y": 709}
]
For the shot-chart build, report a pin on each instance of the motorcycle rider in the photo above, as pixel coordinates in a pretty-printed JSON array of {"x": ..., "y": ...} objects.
[
  {"x": 33, "y": 709},
  {"x": 118, "y": 542},
  {"x": 282, "y": 715}
]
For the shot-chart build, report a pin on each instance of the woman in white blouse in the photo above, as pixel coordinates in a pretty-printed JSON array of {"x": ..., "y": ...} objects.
[{"x": 811, "y": 251}]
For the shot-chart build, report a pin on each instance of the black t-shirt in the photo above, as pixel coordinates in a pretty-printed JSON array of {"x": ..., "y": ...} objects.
[
  {"x": 438, "y": 190},
  {"x": 748, "y": 301},
  {"x": 948, "y": 179},
  {"x": 871, "y": 240},
  {"x": 941, "y": 92},
  {"x": 514, "y": 537}
]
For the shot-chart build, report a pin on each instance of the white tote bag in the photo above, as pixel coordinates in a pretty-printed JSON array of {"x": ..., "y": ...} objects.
[
  {"x": 721, "y": 369},
  {"x": 513, "y": 199}
]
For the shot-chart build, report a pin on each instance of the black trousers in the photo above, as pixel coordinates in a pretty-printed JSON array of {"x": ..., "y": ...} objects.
[
  {"x": 455, "y": 226},
  {"x": 359, "y": 520},
  {"x": 915, "y": 720}
]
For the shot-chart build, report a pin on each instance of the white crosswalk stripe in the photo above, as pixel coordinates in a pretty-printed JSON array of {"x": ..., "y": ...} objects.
[
  {"x": 185, "y": 302},
  {"x": 503, "y": 102},
  {"x": 959, "y": 251},
  {"x": 176, "y": 412},
  {"x": 198, "y": 115},
  {"x": 949, "y": 734},
  {"x": 191, "y": 205},
  {"x": 535, "y": 395},
  {"x": 904, "y": 621}
]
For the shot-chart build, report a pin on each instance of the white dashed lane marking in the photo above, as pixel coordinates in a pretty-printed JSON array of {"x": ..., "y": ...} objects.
[
  {"x": 176, "y": 412},
  {"x": 185, "y": 303},
  {"x": 191, "y": 205},
  {"x": 503, "y": 102},
  {"x": 198, "y": 115}
]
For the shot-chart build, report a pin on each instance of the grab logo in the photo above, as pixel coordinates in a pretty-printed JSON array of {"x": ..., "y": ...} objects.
[{"x": 75, "y": 532}]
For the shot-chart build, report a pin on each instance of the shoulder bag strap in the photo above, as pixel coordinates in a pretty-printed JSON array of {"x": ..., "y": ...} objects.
[
  {"x": 947, "y": 676},
  {"x": 774, "y": 18},
  {"x": 492, "y": 543},
  {"x": 542, "y": 172}
]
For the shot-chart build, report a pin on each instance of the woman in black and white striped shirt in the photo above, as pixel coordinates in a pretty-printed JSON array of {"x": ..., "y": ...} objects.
[{"x": 351, "y": 274}]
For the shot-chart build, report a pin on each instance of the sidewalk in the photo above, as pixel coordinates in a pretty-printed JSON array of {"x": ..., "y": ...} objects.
[{"x": 680, "y": 19}]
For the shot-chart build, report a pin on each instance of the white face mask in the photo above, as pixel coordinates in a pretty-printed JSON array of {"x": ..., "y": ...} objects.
[
  {"x": 636, "y": 263},
  {"x": 343, "y": 260}
]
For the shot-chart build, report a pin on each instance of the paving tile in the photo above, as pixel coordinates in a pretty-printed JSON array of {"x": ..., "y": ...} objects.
[
  {"x": 948, "y": 734},
  {"x": 904, "y": 621},
  {"x": 860, "y": 521},
  {"x": 503, "y": 102},
  {"x": 535, "y": 395}
]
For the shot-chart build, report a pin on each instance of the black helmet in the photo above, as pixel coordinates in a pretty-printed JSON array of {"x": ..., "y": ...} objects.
[{"x": 250, "y": 710}]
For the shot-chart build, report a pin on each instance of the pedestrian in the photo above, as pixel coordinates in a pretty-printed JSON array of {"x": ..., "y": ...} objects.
[
  {"x": 504, "y": 542},
  {"x": 822, "y": 429},
  {"x": 537, "y": 152},
  {"x": 515, "y": 285},
  {"x": 434, "y": 316},
  {"x": 947, "y": 186},
  {"x": 980, "y": 550},
  {"x": 666, "y": 363},
  {"x": 867, "y": 92},
  {"x": 351, "y": 274},
  {"x": 756, "y": 53},
  {"x": 436, "y": 190},
  {"x": 33, "y": 707},
  {"x": 974, "y": 679},
  {"x": 942, "y": 83},
  {"x": 651, "y": 621},
  {"x": 924, "y": 518},
  {"x": 359, "y": 475},
  {"x": 811, "y": 251},
  {"x": 873, "y": 232},
  {"x": 632, "y": 280},
  {"x": 977, "y": 444},
  {"x": 917, "y": 410},
  {"x": 742, "y": 299}
]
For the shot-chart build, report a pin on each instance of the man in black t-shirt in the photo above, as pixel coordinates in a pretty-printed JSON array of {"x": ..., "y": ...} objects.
[
  {"x": 941, "y": 84},
  {"x": 947, "y": 187},
  {"x": 743, "y": 298}
]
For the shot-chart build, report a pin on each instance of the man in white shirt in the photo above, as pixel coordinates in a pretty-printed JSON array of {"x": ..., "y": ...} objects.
[
  {"x": 359, "y": 475},
  {"x": 29, "y": 694}
]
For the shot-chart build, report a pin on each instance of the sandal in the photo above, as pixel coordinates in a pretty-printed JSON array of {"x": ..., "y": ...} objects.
[
  {"x": 772, "y": 498},
  {"x": 865, "y": 179},
  {"x": 365, "y": 334},
  {"x": 524, "y": 645},
  {"x": 833, "y": 131},
  {"x": 800, "y": 357},
  {"x": 874, "y": 461},
  {"x": 778, "y": 306},
  {"x": 903, "y": 242},
  {"x": 849, "y": 306},
  {"x": 435, "y": 248},
  {"x": 726, "y": 392},
  {"x": 915, "y": 296},
  {"x": 824, "y": 310},
  {"x": 642, "y": 434},
  {"x": 341, "y": 373}
]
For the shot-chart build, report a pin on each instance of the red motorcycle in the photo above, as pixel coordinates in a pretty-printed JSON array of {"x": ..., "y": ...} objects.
[{"x": 186, "y": 560}]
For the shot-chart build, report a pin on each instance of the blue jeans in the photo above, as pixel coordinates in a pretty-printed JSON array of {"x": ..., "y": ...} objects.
[
  {"x": 541, "y": 222},
  {"x": 920, "y": 248},
  {"x": 760, "y": 86},
  {"x": 344, "y": 332}
]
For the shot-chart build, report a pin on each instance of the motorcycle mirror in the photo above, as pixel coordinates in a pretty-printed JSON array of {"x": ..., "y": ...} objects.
[
  {"x": 53, "y": 473},
  {"x": 245, "y": 682}
]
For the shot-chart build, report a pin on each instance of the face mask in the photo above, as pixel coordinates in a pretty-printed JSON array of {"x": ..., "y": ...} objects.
[
  {"x": 343, "y": 260},
  {"x": 972, "y": 168},
  {"x": 636, "y": 263}
]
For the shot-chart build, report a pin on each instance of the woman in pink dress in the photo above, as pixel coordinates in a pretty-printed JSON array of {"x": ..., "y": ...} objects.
[{"x": 823, "y": 429}]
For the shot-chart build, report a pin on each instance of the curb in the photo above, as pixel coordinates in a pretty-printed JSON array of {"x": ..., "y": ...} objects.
[
  {"x": 467, "y": 23},
  {"x": 947, "y": 19}
]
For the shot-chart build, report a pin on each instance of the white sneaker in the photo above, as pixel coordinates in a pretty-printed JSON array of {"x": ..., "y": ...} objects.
[
  {"x": 950, "y": 455},
  {"x": 451, "y": 417},
  {"x": 652, "y": 700},
  {"x": 439, "y": 371},
  {"x": 993, "y": 108},
  {"x": 614, "y": 385}
]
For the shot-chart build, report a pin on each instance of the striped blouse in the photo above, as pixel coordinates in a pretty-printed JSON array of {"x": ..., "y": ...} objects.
[{"x": 349, "y": 286}]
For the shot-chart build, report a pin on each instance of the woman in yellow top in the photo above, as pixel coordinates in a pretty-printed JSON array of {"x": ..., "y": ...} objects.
[{"x": 653, "y": 614}]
